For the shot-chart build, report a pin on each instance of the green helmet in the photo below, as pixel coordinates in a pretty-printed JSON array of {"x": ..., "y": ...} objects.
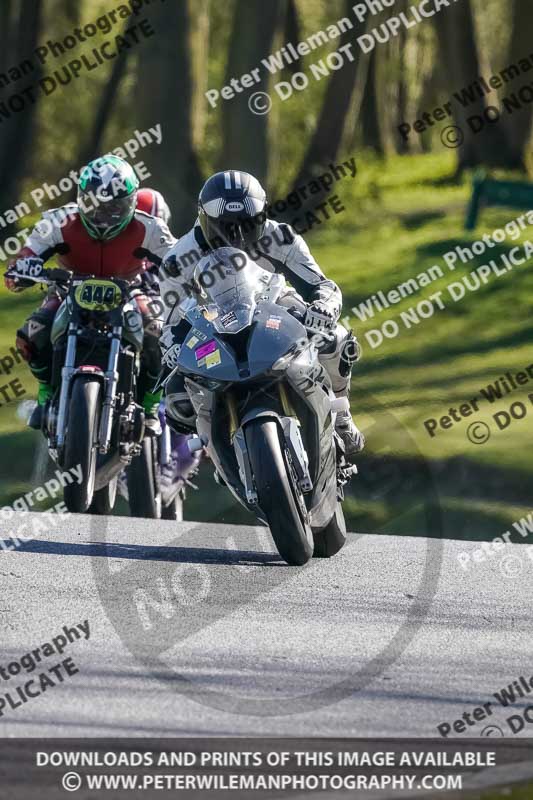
[{"x": 107, "y": 196}]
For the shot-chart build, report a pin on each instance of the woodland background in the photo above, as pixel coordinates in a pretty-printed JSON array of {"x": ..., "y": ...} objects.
[{"x": 404, "y": 210}]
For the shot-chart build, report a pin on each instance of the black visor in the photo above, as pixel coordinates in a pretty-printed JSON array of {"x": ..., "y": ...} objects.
[{"x": 234, "y": 232}]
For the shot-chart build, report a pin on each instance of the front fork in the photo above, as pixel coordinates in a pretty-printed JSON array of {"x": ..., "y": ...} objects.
[
  {"x": 67, "y": 372},
  {"x": 291, "y": 432},
  {"x": 110, "y": 382}
]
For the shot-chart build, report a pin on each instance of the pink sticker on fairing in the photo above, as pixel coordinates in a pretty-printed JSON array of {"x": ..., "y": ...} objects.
[{"x": 205, "y": 349}]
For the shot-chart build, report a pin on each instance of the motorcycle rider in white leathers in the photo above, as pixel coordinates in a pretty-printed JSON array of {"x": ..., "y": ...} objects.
[{"x": 231, "y": 212}]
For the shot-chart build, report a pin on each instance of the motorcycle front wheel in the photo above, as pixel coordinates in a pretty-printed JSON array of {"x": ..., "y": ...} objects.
[
  {"x": 81, "y": 442},
  {"x": 277, "y": 496},
  {"x": 104, "y": 499}
]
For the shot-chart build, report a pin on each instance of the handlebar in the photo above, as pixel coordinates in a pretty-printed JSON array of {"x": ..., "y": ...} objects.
[{"x": 57, "y": 275}]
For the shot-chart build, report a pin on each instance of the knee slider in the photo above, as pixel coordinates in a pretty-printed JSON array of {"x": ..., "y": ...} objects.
[
  {"x": 24, "y": 346},
  {"x": 178, "y": 405},
  {"x": 179, "y": 411}
]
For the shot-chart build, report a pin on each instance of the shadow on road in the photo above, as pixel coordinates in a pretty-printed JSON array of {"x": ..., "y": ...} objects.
[{"x": 183, "y": 555}]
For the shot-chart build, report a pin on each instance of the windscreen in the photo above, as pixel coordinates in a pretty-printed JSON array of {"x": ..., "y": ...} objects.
[{"x": 229, "y": 282}]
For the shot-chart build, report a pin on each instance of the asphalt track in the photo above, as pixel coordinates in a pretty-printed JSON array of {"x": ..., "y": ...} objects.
[{"x": 201, "y": 630}]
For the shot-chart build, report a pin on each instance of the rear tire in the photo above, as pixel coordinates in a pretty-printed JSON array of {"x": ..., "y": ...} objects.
[
  {"x": 332, "y": 538},
  {"x": 81, "y": 441},
  {"x": 276, "y": 496},
  {"x": 143, "y": 485},
  {"x": 104, "y": 499}
]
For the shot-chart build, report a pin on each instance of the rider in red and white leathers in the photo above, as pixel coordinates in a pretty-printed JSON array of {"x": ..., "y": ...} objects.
[{"x": 113, "y": 239}]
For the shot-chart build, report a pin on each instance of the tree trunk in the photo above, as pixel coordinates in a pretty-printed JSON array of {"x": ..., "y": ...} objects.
[
  {"x": 370, "y": 122},
  {"x": 199, "y": 15},
  {"x": 244, "y": 133},
  {"x": 459, "y": 57},
  {"x": 164, "y": 91},
  {"x": 292, "y": 31},
  {"x": 518, "y": 125},
  {"x": 92, "y": 148},
  {"x": 326, "y": 141},
  {"x": 17, "y": 132},
  {"x": 401, "y": 100}
]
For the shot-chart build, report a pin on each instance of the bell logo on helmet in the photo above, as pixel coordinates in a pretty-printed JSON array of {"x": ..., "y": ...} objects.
[{"x": 234, "y": 206}]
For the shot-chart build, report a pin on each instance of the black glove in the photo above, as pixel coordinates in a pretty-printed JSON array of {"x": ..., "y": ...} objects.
[{"x": 25, "y": 272}]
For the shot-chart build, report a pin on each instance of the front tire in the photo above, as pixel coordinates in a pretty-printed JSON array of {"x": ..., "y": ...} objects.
[
  {"x": 332, "y": 538},
  {"x": 104, "y": 499},
  {"x": 276, "y": 496},
  {"x": 174, "y": 510},
  {"x": 81, "y": 442},
  {"x": 143, "y": 485}
]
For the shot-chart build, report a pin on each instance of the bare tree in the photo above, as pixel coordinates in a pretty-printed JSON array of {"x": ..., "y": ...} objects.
[
  {"x": 199, "y": 15},
  {"x": 371, "y": 126},
  {"x": 518, "y": 125},
  {"x": 92, "y": 148},
  {"x": 164, "y": 91},
  {"x": 326, "y": 141},
  {"x": 23, "y": 21},
  {"x": 244, "y": 133},
  {"x": 459, "y": 57}
]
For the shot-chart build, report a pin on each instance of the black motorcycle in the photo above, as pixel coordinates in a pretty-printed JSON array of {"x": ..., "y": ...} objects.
[{"x": 93, "y": 421}]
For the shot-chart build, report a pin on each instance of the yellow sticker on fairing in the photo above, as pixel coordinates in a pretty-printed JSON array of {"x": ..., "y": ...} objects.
[
  {"x": 213, "y": 359},
  {"x": 192, "y": 341},
  {"x": 96, "y": 295}
]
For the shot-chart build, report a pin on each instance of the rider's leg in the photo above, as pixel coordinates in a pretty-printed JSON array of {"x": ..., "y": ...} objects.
[
  {"x": 338, "y": 360},
  {"x": 33, "y": 341},
  {"x": 179, "y": 410},
  {"x": 151, "y": 354}
]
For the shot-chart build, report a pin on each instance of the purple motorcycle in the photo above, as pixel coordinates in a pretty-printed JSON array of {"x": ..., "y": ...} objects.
[{"x": 154, "y": 483}]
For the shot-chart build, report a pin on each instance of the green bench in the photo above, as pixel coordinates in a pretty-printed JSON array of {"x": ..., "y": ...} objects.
[{"x": 490, "y": 192}]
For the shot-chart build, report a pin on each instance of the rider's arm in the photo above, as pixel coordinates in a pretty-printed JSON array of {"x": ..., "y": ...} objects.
[
  {"x": 177, "y": 271},
  {"x": 157, "y": 240},
  {"x": 45, "y": 239},
  {"x": 302, "y": 271}
]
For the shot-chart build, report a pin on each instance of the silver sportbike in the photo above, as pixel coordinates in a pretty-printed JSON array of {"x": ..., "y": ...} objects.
[{"x": 265, "y": 410}]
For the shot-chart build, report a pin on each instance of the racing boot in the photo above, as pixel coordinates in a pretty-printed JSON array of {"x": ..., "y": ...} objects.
[
  {"x": 37, "y": 415},
  {"x": 353, "y": 439},
  {"x": 338, "y": 360},
  {"x": 151, "y": 403}
]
